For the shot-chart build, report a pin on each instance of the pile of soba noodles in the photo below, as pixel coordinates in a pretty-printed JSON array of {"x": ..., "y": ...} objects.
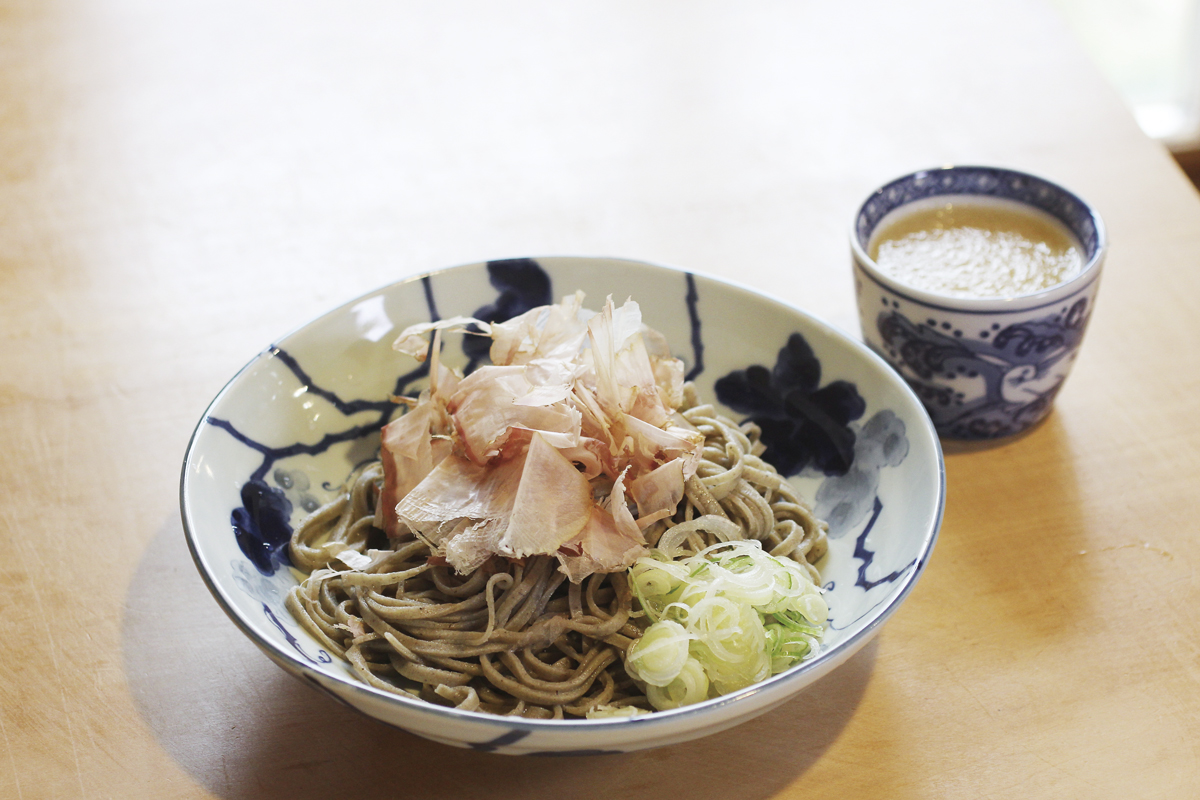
[{"x": 508, "y": 629}]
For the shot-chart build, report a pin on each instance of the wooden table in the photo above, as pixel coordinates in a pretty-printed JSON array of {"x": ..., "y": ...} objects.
[{"x": 181, "y": 183}]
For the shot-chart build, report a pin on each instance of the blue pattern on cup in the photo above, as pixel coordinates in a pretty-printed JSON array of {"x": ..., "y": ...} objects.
[{"x": 982, "y": 371}]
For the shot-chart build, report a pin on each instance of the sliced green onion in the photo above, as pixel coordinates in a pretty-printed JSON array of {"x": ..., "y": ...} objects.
[
  {"x": 659, "y": 655},
  {"x": 731, "y": 615},
  {"x": 690, "y": 686}
]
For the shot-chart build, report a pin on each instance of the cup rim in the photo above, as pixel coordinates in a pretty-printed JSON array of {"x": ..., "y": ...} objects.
[{"x": 1089, "y": 273}]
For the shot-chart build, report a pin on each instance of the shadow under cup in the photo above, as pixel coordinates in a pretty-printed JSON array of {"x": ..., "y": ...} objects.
[{"x": 985, "y": 368}]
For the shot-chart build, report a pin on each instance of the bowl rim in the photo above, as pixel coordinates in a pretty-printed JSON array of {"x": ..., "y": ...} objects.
[
  {"x": 655, "y": 719},
  {"x": 1088, "y": 274}
]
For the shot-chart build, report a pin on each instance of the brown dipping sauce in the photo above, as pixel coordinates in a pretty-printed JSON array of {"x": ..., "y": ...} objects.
[{"x": 975, "y": 247}]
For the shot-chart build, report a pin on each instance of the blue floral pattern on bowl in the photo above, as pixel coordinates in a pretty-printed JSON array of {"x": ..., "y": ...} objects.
[{"x": 287, "y": 430}]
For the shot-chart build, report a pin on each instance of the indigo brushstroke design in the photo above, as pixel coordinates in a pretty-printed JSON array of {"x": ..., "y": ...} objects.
[
  {"x": 273, "y": 454},
  {"x": 803, "y": 424},
  {"x": 254, "y": 584},
  {"x": 322, "y": 656},
  {"x": 296, "y": 484},
  {"x": 844, "y": 501},
  {"x": 523, "y": 286},
  {"x": 867, "y": 557},
  {"x": 503, "y": 740},
  {"x": 347, "y": 407},
  {"x": 989, "y": 383},
  {"x": 561, "y": 753},
  {"x": 693, "y": 298},
  {"x": 513, "y": 736},
  {"x": 261, "y": 525}
]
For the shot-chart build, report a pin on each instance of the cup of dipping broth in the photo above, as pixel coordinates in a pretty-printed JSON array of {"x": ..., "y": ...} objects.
[{"x": 976, "y": 284}]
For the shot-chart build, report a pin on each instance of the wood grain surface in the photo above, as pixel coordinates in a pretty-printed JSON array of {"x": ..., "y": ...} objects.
[{"x": 181, "y": 183}]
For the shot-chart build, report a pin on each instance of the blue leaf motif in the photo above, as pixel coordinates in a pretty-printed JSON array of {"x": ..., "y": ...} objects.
[
  {"x": 523, "y": 286},
  {"x": 803, "y": 424},
  {"x": 261, "y": 526}
]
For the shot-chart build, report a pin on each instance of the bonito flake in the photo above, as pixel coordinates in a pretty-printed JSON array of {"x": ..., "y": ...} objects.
[{"x": 548, "y": 450}]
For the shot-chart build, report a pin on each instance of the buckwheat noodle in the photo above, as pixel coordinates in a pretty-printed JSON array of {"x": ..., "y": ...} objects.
[{"x": 515, "y": 637}]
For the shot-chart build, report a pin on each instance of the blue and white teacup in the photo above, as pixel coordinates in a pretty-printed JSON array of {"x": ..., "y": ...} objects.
[{"x": 984, "y": 367}]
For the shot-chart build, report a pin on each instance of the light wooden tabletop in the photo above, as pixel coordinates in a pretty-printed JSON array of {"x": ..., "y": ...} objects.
[{"x": 182, "y": 183}]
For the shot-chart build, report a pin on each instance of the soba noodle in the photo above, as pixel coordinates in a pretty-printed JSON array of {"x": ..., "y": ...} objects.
[{"x": 515, "y": 637}]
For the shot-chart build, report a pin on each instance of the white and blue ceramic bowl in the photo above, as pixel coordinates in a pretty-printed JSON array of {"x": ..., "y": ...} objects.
[
  {"x": 287, "y": 429},
  {"x": 985, "y": 368}
]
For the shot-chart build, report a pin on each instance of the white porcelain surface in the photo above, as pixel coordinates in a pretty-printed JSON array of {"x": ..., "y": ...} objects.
[{"x": 292, "y": 419}]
